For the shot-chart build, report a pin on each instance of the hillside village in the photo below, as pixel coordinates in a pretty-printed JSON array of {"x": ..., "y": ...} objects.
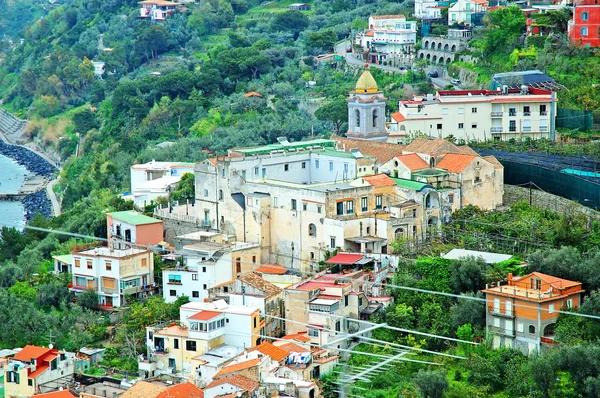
[{"x": 321, "y": 199}]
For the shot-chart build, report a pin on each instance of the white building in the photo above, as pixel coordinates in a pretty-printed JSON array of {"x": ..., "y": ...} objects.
[
  {"x": 460, "y": 12},
  {"x": 387, "y": 36},
  {"x": 152, "y": 180},
  {"x": 476, "y": 115},
  {"x": 112, "y": 273},
  {"x": 205, "y": 265},
  {"x": 424, "y": 9}
]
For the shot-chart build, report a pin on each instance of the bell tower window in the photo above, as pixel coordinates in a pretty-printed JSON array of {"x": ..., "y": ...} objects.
[
  {"x": 374, "y": 118},
  {"x": 357, "y": 112}
]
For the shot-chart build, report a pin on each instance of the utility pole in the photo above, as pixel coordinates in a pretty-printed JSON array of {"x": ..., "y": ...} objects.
[{"x": 553, "y": 116}]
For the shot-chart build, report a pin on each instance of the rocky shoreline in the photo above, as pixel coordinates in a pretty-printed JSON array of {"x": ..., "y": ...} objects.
[{"x": 37, "y": 202}]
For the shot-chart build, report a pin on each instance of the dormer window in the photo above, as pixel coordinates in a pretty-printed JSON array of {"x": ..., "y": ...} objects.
[{"x": 536, "y": 283}]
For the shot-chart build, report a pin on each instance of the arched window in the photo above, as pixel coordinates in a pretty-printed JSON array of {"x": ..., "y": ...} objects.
[
  {"x": 357, "y": 112},
  {"x": 374, "y": 117},
  {"x": 584, "y": 31},
  {"x": 399, "y": 233},
  {"x": 531, "y": 329},
  {"x": 584, "y": 16},
  {"x": 220, "y": 194},
  {"x": 312, "y": 230},
  {"x": 432, "y": 162}
]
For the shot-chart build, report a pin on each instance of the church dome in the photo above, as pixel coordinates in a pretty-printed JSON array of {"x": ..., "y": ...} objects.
[{"x": 366, "y": 83}]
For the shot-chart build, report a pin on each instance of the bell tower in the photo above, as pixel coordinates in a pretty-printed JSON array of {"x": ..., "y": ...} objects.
[{"x": 366, "y": 110}]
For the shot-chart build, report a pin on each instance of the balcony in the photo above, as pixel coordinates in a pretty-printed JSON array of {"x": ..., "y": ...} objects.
[
  {"x": 109, "y": 290},
  {"x": 131, "y": 290},
  {"x": 526, "y": 129},
  {"x": 502, "y": 331},
  {"x": 543, "y": 128},
  {"x": 512, "y": 113},
  {"x": 512, "y": 129},
  {"x": 526, "y": 113},
  {"x": 496, "y": 129},
  {"x": 543, "y": 113},
  {"x": 497, "y": 312},
  {"x": 174, "y": 282},
  {"x": 497, "y": 114}
]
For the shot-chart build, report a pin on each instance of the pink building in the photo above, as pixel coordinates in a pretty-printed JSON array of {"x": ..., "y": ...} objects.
[{"x": 130, "y": 228}]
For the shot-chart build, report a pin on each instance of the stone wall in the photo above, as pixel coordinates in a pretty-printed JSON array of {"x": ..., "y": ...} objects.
[
  {"x": 545, "y": 200},
  {"x": 174, "y": 228}
]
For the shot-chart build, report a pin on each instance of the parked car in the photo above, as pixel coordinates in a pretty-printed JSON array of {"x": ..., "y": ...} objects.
[
  {"x": 433, "y": 74},
  {"x": 455, "y": 82},
  {"x": 404, "y": 67}
]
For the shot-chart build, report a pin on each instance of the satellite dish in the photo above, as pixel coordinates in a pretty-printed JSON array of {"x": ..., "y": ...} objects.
[{"x": 51, "y": 346}]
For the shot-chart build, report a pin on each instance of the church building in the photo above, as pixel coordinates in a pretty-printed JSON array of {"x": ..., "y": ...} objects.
[{"x": 366, "y": 110}]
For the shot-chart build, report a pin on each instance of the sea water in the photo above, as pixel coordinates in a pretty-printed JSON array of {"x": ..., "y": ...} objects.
[{"x": 12, "y": 176}]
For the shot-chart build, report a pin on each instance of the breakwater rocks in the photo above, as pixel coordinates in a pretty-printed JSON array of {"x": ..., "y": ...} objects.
[
  {"x": 37, "y": 203},
  {"x": 31, "y": 160}
]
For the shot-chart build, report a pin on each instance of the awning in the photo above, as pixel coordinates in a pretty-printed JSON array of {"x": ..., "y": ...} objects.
[
  {"x": 363, "y": 261},
  {"x": 323, "y": 302},
  {"x": 345, "y": 259}
]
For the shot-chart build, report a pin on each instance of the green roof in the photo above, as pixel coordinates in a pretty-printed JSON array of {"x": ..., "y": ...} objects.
[
  {"x": 409, "y": 184},
  {"x": 266, "y": 149},
  {"x": 64, "y": 258},
  {"x": 430, "y": 173},
  {"x": 339, "y": 154},
  {"x": 133, "y": 217}
]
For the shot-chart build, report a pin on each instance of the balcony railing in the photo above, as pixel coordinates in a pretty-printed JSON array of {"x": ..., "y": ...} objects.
[
  {"x": 496, "y": 129},
  {"x": 526, "y": 113},
  {"x": 512, "y": 113},
  {"x": 543, "y": 113},
  {"x": 497, "y": 114},
  {"x": 109, "y": 290},
  {"x": 512, "y": 129},
  {"x": 526, "y": 129},
  {"x": 543, "y": 128},
  {"x": 496, "y": 311},
  {"x": 503, "y": 331},
  {"x": 171, "y": 282}
]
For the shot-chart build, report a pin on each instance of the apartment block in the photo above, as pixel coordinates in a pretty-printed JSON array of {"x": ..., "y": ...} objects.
[
  {"x": 522, "y": 311},
  {"x": 584, "y": 28},
  {"x": 476, "y": 115},
  {"x": 129, "y": 228},
  {"x": 461, "y": 11},
  {"x": 152, "y": 180},
  {"x": 158, "y": 10},
  {"x": 387, "y": 35}
]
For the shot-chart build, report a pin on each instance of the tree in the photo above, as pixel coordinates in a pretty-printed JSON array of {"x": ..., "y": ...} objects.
[
  {"x": 88, "y": 299},
  {"x": 504, "y": 26},
  {"x": 432, "y": 384},
  {"x": 185, "y": 188},
  {"x": 53, "y": 294},
  {"x": 467, "y": 274},
  {"x": 290, "y": 21},
  {"x": 469, "y": 311},
  {"x": 542, "y": 372},
  {"x": 335, "y": 112},
  {"x": 84, "y": 121},
  {"x": 322, "y": 40}
]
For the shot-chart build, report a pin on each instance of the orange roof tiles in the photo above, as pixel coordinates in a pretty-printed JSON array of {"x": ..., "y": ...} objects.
[
  {"x": 433, "y": 146},
  {"x": 31, "y": 351},
  {"x": 204, "y": 315},
  {"x": 174, "y": 330},
  {"x": 237, "y": 367},
  {"x": 253, "y": 94},
  {"x": 274, "y": 269},
  {"x": 379, "y": 180},
  {"x": 412, "y": 161},
  {"x": 292, "y": 347},
  {"x": 455, "y": 163},
  {"x": 267, "y": 348},
  {"x": 255, "y": 280},
  {"x": 370, "y": 33},
  {"x": 182, "y": 390},
  {"x": 552, "y": 280},
  {"x": 236, "y": 380},
  {"x": 56, "y": 394},
  {"x": 397, "y": 116},
  {"x": 381, "y": 151},
  {"x": 300, "y": 336}
]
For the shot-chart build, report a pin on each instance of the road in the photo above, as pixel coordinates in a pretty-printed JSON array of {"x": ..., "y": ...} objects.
[
  {"x": 340, "y": 49},
  {"x": 439, "y": 82},
  {"x": 52, "y": 196}
]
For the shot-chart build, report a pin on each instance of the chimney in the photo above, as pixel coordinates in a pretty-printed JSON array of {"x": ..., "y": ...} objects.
[{"x": 509, "y": 277}]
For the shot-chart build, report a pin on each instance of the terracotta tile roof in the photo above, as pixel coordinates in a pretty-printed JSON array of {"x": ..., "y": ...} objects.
[
  {"x": 267, "y": 348},
  {"x": 455, "y": 163},
  {"x": 433, "y": 146},
  {"x": 204, "y": 315},
  {"x": 182, "y": 390},
  {"x": 255, "y": 280},
  {"x": 412, "y": 161},
  {"x": 398, "y": 117},
  {"x": 379, "y": 180},
  {"x": 382, "y": 151},
  {"x": 237, "y": 367},
  {"x": 292, "y": 347},
  {"x": 56, "y": 394},
  {"x": 300, "y": 336},
  {"x": 369, "y": 33},
  {"x": 31, "y": 351},
  {"x": 143, "y": 389},
  {"x": 253, "y": 94},
  {"x": 236, "y": 380},
  {"x": 274, "y": 269},
  {"x": 552, "y": 280},
  {"x": 494, "y": 161}
]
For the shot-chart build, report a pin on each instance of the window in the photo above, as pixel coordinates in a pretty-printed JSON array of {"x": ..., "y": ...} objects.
[
  {"x": 221, "y": 195},
  {"x": 172, "y": 293},
  {"x": 255, "y": 322},
  {"x": 256, "y": 171},
  {"x": 531, "y": 329},
  {"x": 264, "y": 172},
  {"x": 583, "y": 31},
  {"x": 144, "y": 262},
  {"x": 363, "y": 203},
  {"x": 174, "y": 279},
  {"x": 360, "y": 301},
  {"x": 205, "y": 192},
  {"x": 304, "y": 206},
  {"x": 195, "y": 276},
  {"x": 203, "y": 270},
  {"x": 225, "y": 289},
  {"x": 526, "y": 110},
  {"x": 374, "y": 117},
  {"x": 337, "y": 326},
  {"x": 461, "y": 111},
  {"x": 30, "y": 382},
  {"x": 303, "y": 165},
  {"x": 473, "y": 125},
  {"x": 349, "y": 207},
  {"x": 450, "y": 198},
  {"x": 316, "y": 163},
  {"x": 508, "y": 307},
  {"x": 312, "y": 255},
  {"x": 339, "y": 208},
  {"x": 551, "y": 308},
  {"x": 293, "y": 204},
  {"x": 345, "y": 168},
  {"x": 286, "y": 167},
  {"x": 536, "y": 283},
  {"x": 439, "y": 126},
  {"x": 313, "y": 332},
  {"x": 319, "y": 209},
  {"x": 312, "y": 230},
  {"x": 275, "y": 202},
  {"x": 330, "y": 166},
  {"x": 176, "y": 344},
  {"x": 357, "y": 114},
  {"x": 378, "y": 202},
  {"x": 89, "y": 264},
  {"x": 77, "y": 263},
  {"x": 244, "y": 174},
  {"x": 543, "y": 111},
  {"x": 520, "y": 327},
  {"x": 54, "y": 364},
  {"x": 253, "y": 260},
  {"x": 414, "y": 213},
  {"x": 238, "y": 265},
  {"x": 190, "y": 345},
  {"x": 368, "y": 230},
  {"x": 346, "y": 301},
  {"x": 444, "y": 111},
  {"x": 473, "y": 110},
  {"x": 569, "y": 303},
  {"x": 195, "y": 294},
  {"x": 584, "y": 16},
  {"x": 461, "y": 125},
  {"x": 512, "y": 125},
  {"x": 108, "y": 266},
  {"x": 512, "y": 111},
  {"x": 332, "y": 242}
]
